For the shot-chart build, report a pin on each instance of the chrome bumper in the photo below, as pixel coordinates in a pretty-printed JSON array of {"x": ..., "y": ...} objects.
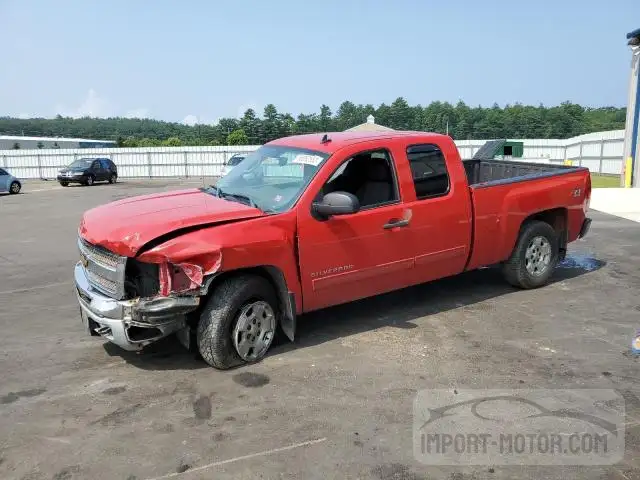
[{"x": 130, "y": 324}]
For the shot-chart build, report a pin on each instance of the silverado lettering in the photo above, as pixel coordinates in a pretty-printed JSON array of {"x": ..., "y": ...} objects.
[{"x": 331, "y": 270}]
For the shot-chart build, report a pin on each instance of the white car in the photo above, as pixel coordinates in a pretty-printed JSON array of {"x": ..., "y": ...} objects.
[{"x": 232, "y": 162}]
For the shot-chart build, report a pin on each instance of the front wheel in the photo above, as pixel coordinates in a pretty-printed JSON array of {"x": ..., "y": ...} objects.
[
  {"x": 534, "y": 257},
  {"x": 238, "y": 323},
  {"x": 64, "y": 184},
  {"x": 89, "y": 181},
  {"x": 15, "y": 188}
]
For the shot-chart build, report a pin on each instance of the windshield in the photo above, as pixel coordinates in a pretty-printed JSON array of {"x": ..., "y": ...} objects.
[
  {"x": 81, "y": 163},
  {"x": 271, "y": 178}
]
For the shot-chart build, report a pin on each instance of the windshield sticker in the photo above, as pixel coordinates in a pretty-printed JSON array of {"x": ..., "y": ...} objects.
[{"x": 304, "y": 159}]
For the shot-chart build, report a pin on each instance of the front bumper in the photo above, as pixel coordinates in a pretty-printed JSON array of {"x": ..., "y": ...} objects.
[
  {"x": 76, "y": 177},
  {"x": 130, "y": 324}
]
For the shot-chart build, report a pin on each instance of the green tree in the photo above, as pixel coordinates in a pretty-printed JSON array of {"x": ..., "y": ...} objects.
[
  {"x": 130, "y": 142},
  {"x": 40, "y": 145},
  {"x": 511, "y": 121},
  {"x": 149, "y": 142},
  {"x": 325, "y": 121},
  {"x": 347, "y": 116},
  {"x": 237, "y": 137},
  {"x": 16, "y": 146},
  {"x": 172, "y": 142},
  {"x": 250, "y": 123}
]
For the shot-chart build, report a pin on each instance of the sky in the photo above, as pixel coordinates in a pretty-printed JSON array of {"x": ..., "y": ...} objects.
[{"x": 201, "y": 60}]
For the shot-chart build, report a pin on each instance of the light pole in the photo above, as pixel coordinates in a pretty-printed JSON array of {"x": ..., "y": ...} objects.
[{"x": 631, "y": 159}]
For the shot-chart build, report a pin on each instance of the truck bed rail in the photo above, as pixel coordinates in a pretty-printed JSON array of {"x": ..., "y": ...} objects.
[{"x": 481, "y": 173}]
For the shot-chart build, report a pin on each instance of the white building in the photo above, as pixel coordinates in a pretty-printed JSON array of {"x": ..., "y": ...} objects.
[{"x": 16, "y": 142}]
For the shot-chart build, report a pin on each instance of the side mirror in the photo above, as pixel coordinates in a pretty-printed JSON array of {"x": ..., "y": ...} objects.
[{"x": 336, "y": 203}]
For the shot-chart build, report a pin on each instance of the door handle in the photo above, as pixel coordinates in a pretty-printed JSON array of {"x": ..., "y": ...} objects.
[{"x": 395, "y": 223}]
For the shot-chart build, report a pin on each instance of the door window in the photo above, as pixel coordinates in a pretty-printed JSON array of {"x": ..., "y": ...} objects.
[
  {"x": 369, "y": 176},
  {"x": 429, "y": 170}
]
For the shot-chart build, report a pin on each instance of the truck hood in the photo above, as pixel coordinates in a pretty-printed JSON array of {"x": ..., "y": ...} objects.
[{"x": 125, "y": 226}]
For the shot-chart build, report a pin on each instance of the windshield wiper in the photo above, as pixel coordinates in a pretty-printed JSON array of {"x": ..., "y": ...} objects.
[{"x": 237, "y": 196}]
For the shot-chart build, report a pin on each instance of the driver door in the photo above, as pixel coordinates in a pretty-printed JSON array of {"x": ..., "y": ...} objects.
[{"x": 347, "y": 257}]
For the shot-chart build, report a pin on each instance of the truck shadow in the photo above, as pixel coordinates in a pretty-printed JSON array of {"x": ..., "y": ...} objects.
[
  {"x": 397, "y": 309},
  {"x": 166, "y": 354}
]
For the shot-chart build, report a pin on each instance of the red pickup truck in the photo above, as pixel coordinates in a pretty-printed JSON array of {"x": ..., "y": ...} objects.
[{"x": 310, "y": 221}]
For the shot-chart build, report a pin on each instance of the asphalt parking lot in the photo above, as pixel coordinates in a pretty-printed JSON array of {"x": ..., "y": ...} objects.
[{"x": 335, "y": 404}]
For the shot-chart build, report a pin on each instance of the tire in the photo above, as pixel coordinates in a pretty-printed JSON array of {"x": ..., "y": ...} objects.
[
  {"x": 520, "y": 269},
  {"x": 113, "y": 178},
  {"x": 89, "y": 181},
  {"x": 64, "y": 184},
  {"x": 222, "y": 316},
  {"x": 14, "y": 188}
]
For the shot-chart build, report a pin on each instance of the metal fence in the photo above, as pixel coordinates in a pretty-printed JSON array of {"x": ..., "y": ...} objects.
[
  {"x": 601, "y": 152},
  {"x": 131, "y": 162}
]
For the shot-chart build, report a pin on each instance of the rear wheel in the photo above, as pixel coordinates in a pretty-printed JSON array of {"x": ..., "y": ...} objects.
[
  {"x": 534, "y": 257},
  {"x": 113, "y": 178},
  {"x": 89, "y": 181},
  {"x": 15, "y": 187},
  {"x": 238, "y": 323}
]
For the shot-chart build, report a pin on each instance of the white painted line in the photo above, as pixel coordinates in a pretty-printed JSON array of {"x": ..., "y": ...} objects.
[
  {"x": 244, "y": 457},
  {"x": 39, "y": 287},
  {"x": 53, "y": 189},
  {"x": 59, "y": 440}
]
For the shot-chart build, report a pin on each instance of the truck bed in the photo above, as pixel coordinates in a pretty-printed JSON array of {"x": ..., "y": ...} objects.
[{"x": 484, "y": 173}]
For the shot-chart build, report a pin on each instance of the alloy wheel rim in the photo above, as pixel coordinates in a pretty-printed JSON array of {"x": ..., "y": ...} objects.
[
  {"x": 254, "y": 330},
  {"x": 538, "y": 256}
]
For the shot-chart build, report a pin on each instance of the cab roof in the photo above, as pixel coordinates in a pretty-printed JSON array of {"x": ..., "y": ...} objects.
[{"x": 338, "y": 140}]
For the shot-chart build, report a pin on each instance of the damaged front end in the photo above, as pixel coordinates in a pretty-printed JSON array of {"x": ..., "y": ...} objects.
[{"x": 134, "y": 303}]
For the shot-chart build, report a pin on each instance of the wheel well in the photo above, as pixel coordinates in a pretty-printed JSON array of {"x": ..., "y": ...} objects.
[
  {"x": 557, "y": 218},
  {"x": 261, "y": 271},
  {"x": 270, "y": 273}
]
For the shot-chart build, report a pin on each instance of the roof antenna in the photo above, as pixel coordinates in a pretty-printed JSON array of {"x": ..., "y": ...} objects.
[{"x": 325, "y": 139}]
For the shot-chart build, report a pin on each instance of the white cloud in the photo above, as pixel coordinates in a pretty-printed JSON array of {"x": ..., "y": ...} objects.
[
  {"x": 190, "y": 120},
  {"x": 92, "y": 106},
  {"x": 137, "y": 113}
]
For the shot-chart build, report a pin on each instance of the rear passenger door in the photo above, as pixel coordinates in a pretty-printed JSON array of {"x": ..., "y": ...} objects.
[
  {"x": 97, "y": 171},
  {"x": 441, "y": 211},
  {"x": 106, "y": 167}
]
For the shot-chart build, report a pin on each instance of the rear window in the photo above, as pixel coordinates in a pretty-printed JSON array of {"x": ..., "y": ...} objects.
[{"x": 429, "y": 170}]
